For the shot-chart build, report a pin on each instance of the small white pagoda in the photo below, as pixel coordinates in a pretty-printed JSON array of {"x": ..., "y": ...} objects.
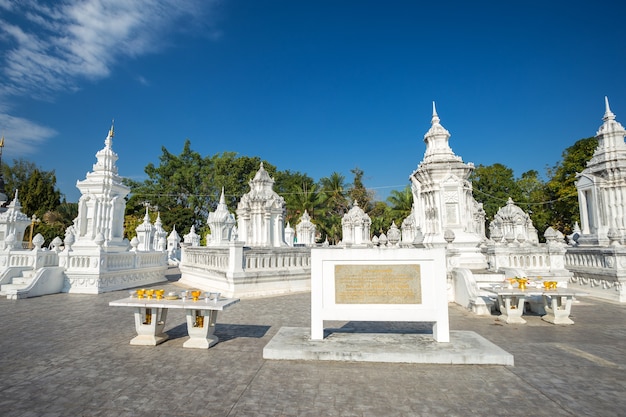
[
  {"x": 102, "y": 204},
  {"x": 355, "y": 226},
  {"x": 261, "y": 214},
  {"x": 221, "y": 222},
  {"x": 305, "y": 230},
  {"x": 97, "y": 257},
  {"x": 13, "y": 222}
]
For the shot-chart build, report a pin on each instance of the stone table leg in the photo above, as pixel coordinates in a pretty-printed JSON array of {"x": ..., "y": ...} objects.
[
  {"x": 557, "y": 311},
  {"x": 511, "y": 309},
  {"x": 149, "y": 324},
  {"x": 200, "y": 326}
]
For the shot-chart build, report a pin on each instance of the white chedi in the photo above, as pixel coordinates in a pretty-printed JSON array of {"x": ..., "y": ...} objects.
[
  {"x": 221, "y": 223},
  {"x": 261, "y": 213},
  {"x": 192, "y": 238},
  {"x": 355, "y": 226},
  {"x": 512, "y": 225},
  {"x": 305, "y": 230}
]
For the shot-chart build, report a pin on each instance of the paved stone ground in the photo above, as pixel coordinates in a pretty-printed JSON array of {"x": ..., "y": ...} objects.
[{"x": 69, "y": 355}]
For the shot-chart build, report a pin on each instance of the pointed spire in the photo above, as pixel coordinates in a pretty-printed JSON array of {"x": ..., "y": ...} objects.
[
  {"x": 435, "y": 118},
  {"x": 222, "y": 199},
  {"x": 109, "y": 139},
  {"x": 112, "y": 130},
  {"x": 608, "y": 114}
]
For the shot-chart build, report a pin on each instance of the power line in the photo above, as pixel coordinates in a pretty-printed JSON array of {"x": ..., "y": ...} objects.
[{"x": 189, "y": 195}]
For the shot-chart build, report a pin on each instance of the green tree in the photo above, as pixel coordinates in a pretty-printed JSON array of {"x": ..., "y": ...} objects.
[
  {"x": 54, "y": 222},
  {"x": 381, "y": 218},
  {"x": 492, "y": 186},
  {"x": 233, "y": 173},
  {"x": 300, "y": 194},
  {"x": 359, "y": 193},
  {"x": 16, "y": 175},
  {"x": 38, "y": 192},
  {"x": 533, "y": 199},
  {"x": 334, "y": 204},
  {"x": 186, "y": 187},
  {"x": 400, "y": 203},
  {"x": 561, "y": 186}
]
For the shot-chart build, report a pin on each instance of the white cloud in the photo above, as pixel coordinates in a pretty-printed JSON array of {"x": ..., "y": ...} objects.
[
  {"x": 143, "y": 81},
  {"x": 22, "y": 136},
  {"x": 53, "y": 47},
  {"x": 50, "y": 47}
]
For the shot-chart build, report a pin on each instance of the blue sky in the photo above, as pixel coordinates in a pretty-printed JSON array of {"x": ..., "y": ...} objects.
[{"x": 311, "y": 86}]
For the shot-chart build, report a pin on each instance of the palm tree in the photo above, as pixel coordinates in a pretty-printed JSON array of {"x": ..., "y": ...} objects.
[
  {"x": 334, "y": 204},
  {"x": 401, "y": 203},
  {"x": 302, "y": 197}
]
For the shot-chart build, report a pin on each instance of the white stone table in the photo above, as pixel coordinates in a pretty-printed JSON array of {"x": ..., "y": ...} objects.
[
  {"x": 557, "y": 303},
  {"x": 150, "y": 316}
]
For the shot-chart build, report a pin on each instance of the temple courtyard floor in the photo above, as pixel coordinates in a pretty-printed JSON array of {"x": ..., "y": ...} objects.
[{"x": 69, "y": 355}]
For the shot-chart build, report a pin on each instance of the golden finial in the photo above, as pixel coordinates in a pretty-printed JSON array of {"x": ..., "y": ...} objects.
[
  {"x": 2, "y": 142},
  {"x": 112, "y": 130}
]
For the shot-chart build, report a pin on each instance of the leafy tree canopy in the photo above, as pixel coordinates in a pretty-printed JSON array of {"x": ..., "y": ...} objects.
[
  {"x": 493, "y": 185},
  {"x": 561, "y": 187}
]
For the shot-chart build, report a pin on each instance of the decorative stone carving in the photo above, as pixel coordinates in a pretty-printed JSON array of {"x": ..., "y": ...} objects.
[
  {"x": 290, "y": 235},
  {"x": 56, "y": 244},
  {"x": 38, "y": 241},
  {"x": 68, "y": 241},
  {"x": 10, "y": 242},
  {"x": 393, "y": 234}
]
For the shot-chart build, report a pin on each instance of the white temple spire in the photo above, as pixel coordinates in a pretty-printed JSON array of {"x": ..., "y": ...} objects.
[
  {"x": 436, "y": 139},
  {"x": 109, "y": 139},
  {"x": 608, "y": 114},
  {"x": 435, "y": 118},
  {"x": 222, "y": 199}
]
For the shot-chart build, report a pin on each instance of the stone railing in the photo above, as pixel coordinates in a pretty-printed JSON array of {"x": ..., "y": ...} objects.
[
  {"x": 238, "y": 271},
  {"x": 259, "y": 259},
  {"x": 35, "y": 258},
  {"x": 599, "y": 270},
  {"x": 210, "y": 258},
  {"x": 251, "y": 259},
  {"x": 594, "y": 259},
  {"x": 537, "y": 258},
  {"x": 110, "y": 262}
]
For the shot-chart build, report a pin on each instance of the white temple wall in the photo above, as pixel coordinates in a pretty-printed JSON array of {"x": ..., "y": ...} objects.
[{"x": 239, "y": 271}]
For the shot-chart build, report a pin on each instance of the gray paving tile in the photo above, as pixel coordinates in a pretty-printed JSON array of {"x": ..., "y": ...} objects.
[{"x": 69, "y": 355}]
